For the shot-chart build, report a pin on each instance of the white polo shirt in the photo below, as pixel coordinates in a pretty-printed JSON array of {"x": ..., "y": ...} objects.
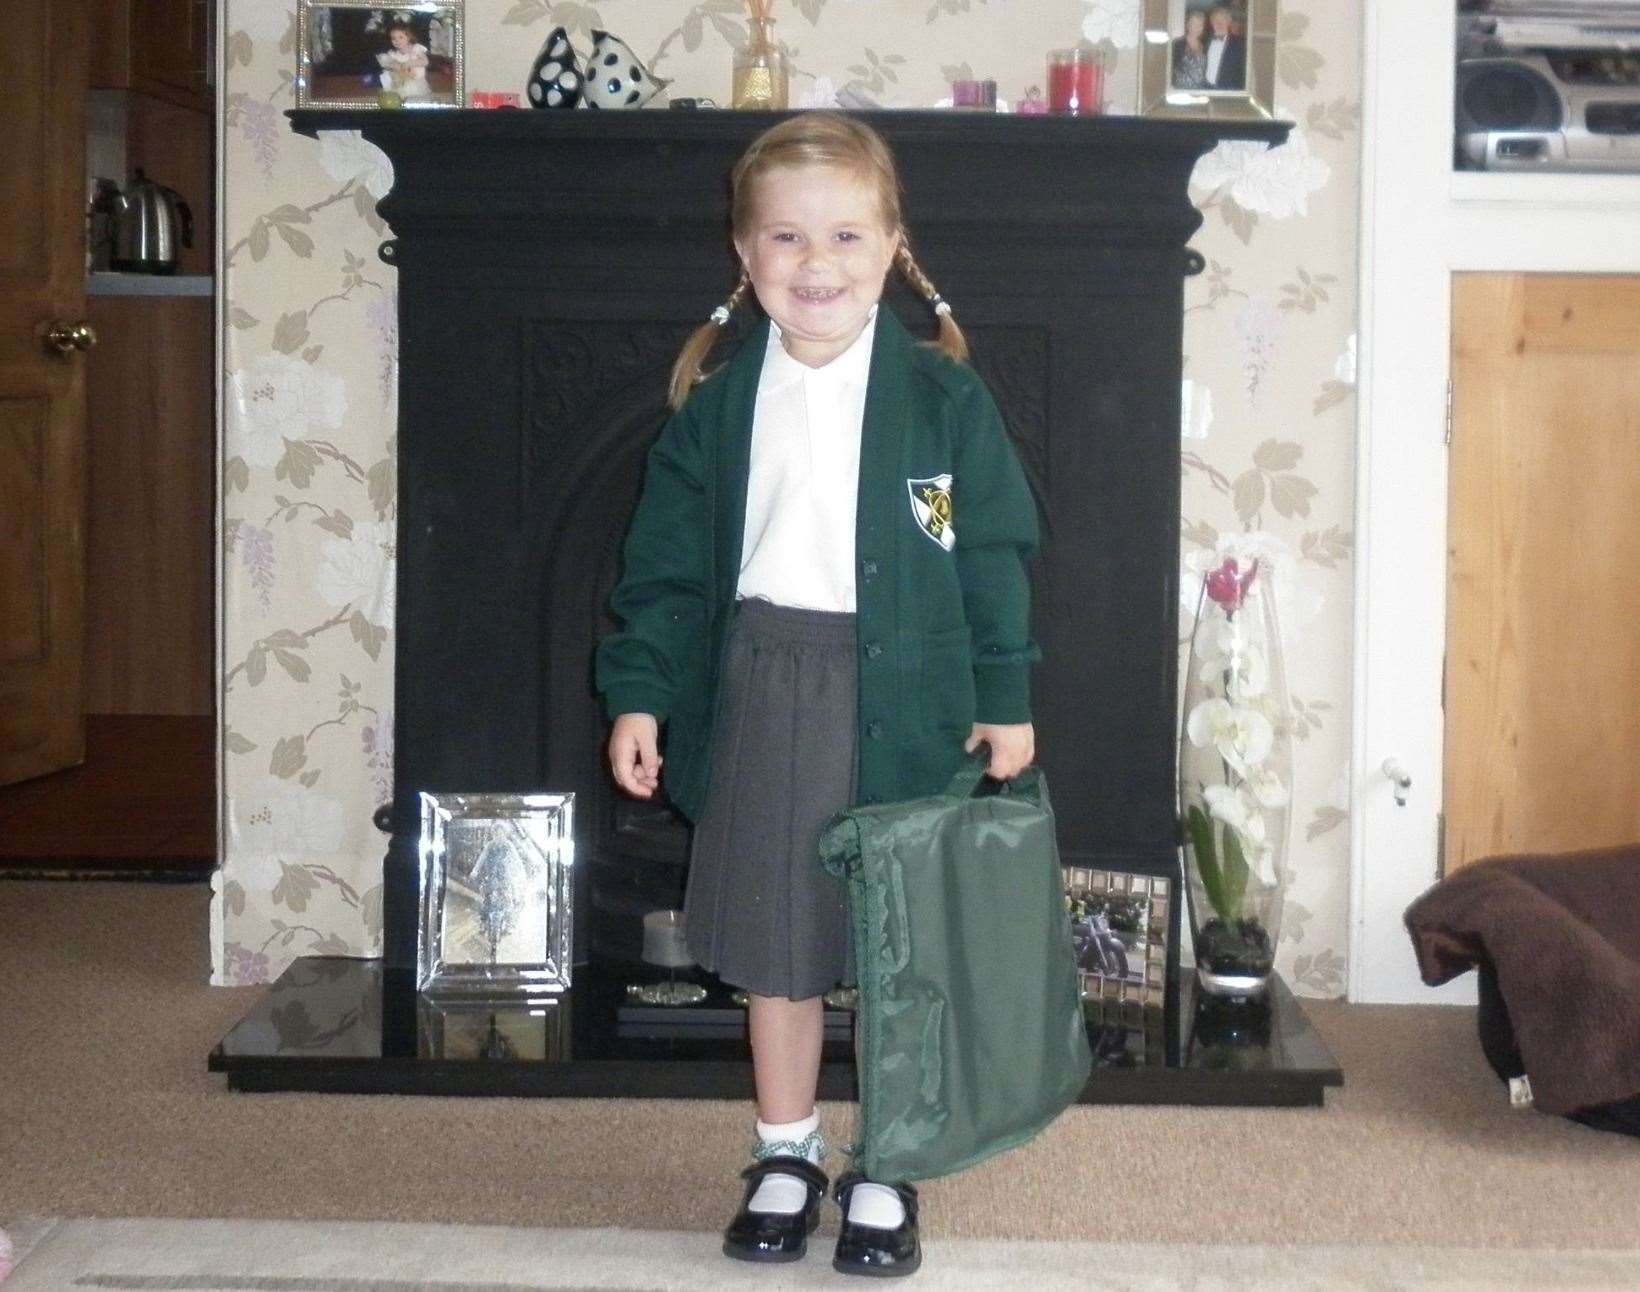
[{"x": 805, "y": 477}]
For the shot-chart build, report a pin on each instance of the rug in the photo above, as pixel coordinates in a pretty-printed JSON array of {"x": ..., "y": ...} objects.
[{"x": 309, "y": 1256}]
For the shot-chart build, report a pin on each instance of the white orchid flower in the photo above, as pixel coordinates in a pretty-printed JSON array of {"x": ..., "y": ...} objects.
[
  {"x": 1261, "y": 859},
  {"x": 1242, "y": 737},
  {"x": 1249, "y": 670},
  {"x": 1240, "y": 813},
  {"x": 1266, "y": 787}
]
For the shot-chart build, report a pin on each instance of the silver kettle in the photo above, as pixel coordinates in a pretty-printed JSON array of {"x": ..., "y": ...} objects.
[{"x": 150, "y": 223}]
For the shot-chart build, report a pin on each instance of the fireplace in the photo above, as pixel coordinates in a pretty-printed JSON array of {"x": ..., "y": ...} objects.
[{"x": 550, "y": 265}]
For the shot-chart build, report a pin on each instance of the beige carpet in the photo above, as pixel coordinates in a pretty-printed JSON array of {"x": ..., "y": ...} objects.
[{"x": 106, "y": 1110}]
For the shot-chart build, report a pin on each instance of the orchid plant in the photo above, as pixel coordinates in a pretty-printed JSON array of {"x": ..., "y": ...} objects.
[{"x": 1235, "y": 829}]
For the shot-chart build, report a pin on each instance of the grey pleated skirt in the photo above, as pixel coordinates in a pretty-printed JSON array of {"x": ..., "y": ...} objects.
[{"x": 761, "y": 912}]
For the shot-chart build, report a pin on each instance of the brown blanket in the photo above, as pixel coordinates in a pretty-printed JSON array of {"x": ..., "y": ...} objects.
[{"x": 1564, "y": 935}]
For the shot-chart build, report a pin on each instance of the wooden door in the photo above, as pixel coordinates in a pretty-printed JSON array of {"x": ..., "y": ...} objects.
[
  {"x": 1542, "y": 690},
  {"x": 42, "y": 388}
]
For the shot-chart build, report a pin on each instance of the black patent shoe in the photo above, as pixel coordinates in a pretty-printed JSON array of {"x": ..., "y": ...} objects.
[
  {"x": 775, "y": 1235},
  {"x": 866, "y": 1249}
]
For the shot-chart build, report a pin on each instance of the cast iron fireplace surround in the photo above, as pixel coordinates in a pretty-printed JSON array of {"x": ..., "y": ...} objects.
[{"x": 550, "y": 265}]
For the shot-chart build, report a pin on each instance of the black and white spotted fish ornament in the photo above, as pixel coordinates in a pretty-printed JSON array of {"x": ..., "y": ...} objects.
[
  {"x": 617, "y": 78},
  {"x": 555, "y": 81}
]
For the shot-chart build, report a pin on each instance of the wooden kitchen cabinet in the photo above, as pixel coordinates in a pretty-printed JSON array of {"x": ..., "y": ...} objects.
[{"x": 158, "y": 47}]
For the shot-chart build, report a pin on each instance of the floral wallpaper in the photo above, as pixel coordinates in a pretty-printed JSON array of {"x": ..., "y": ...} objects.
[{"x": 308, "y": 489}]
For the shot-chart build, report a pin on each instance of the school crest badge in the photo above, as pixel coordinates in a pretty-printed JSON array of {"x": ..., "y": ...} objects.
[{"x": 931, "y": 506}]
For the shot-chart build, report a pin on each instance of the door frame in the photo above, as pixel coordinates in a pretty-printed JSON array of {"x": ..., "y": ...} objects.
[{"x": 1420, "y": 224}]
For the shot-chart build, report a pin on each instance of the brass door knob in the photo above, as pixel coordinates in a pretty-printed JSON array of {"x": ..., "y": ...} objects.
[{"x": 65, "y": 338}]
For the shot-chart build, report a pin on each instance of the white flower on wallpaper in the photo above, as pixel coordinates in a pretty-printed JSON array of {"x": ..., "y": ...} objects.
[
  {"x": 359, "y": 570},
  {"x": 261, "y": 20},
  {"x": 279, "y": 398},
  {"x": 1344, "y": 367},
  {"x": 276, "y": 818},
  {"x": 1259, "y": 325},
  {"x": 1271, "y": 181},
  {"x": 1114, "y": 20},
  {"x": 1195, "y": 409},
  {"x": 821, "y": 94},
  {"x": 348, "y": 155}
]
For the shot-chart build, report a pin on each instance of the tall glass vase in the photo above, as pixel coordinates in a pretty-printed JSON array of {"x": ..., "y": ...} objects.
[{"x": 1235, "y": 780}]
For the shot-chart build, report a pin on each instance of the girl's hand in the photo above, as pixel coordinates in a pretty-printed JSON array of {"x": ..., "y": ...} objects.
[
  {"x": 634, "y": 755},
  {"x": 1013, "y": 746}
]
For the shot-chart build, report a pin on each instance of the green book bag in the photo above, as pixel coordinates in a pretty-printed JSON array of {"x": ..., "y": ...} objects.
[{"x": 970, "y": 1013}]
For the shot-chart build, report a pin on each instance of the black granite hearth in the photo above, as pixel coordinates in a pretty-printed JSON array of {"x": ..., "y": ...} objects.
[{"x": 351, "y": 1026}]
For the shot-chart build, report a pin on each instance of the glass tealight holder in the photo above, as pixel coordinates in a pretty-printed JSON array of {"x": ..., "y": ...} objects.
[{"x": 1075, "y": 82}]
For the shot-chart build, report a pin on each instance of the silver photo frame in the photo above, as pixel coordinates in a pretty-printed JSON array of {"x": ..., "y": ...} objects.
[
  {"x": 484, "y": 1031},
  {"x": 348, "y": 54},
  {"x": 1119, "y": 925},
  {"x": 496, "y": 905},
  {"x": 1174, "y": 84}
]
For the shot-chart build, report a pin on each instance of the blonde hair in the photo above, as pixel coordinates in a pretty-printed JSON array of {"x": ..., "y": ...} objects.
[{"x": 813, "y": 139}]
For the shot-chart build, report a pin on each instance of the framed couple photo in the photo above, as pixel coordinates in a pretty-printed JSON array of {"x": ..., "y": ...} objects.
[{"x": 1208, "y": 58}]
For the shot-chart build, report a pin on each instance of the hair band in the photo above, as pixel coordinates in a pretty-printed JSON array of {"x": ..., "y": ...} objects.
[
  {"x": 942, "y": 307},
  {"x": 720, "y": 315}
]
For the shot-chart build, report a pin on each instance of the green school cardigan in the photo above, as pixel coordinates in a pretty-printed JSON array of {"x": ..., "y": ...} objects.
[{"x": 944, "y": 525}]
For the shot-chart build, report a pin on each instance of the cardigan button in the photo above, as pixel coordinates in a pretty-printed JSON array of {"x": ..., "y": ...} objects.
[
  {"x": 875, "y": 730},
  {"x": 869, "y": 569},
  {"x": 873, "y": 649}
]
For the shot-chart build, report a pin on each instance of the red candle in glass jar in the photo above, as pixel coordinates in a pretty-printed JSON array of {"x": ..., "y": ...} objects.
[{"x": 1074, "y": 82}]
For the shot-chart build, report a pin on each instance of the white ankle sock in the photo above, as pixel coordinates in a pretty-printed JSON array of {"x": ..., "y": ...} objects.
[
  {"x": 876, "y": 1205},
  {"x": 779, "y": 1192}
]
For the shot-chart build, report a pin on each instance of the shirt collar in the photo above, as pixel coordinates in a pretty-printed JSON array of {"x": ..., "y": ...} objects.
[{"x": 851, "y": 368}]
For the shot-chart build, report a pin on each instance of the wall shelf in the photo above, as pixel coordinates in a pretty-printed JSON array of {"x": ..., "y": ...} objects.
[{"x": 112, "y": 284}]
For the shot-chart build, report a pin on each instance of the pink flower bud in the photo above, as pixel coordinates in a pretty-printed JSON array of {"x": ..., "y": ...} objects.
[
  {"x": 1223, "y": 585},
  {"x": 1228, "y": 584}
]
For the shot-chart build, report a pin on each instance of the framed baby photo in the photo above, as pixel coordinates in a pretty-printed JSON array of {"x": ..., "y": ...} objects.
[
  {"x": 352, "y": 55},
  {"x": 1208, "y": 58}
]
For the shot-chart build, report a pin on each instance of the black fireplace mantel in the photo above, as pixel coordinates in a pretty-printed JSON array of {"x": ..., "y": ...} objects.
[{"x": 550, "y": 263}]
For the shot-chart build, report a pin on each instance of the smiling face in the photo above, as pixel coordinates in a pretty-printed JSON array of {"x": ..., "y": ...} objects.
[
  {"x": 817, "y": 249},
  {"x": 1195, "y": 23},
  {"x": 399, "y": 37},
  {"x": 1221, "y": 22}
]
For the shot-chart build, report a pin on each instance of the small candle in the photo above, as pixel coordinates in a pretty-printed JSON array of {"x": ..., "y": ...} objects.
[
  {"x": 1033, "y": 104},
  {"x": 1074, "y": 82},
  {"x": 664, "y": 942},
  {"x": 974, "y": 94}
]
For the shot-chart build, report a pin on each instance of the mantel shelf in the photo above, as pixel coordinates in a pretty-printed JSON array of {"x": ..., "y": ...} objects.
[
  {"x": 514, "y": 180},
  {"x": 979, "y": 128}
]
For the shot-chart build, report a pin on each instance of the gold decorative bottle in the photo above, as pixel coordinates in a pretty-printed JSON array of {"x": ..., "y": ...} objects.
[{"x": 760, "y": 72}]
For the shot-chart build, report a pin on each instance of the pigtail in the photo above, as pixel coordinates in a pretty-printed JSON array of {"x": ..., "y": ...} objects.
[
  {"x": 686, "y": 369},
  {"x": 951, "y": 340}
]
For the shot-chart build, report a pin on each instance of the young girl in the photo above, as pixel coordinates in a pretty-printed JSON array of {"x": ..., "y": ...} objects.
[
  {"x": 404, "y": 65},
  {"x": 824, "y": 600}
]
